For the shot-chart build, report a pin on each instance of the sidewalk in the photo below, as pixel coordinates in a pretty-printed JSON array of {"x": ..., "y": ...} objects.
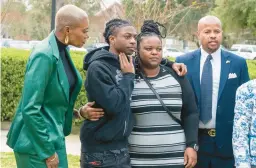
[{"x": 72, "y": 143}]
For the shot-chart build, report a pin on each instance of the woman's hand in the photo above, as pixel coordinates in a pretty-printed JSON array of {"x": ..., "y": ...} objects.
[
  {"x": 76, "y": 114},
  {"x": 53, "y": 161},
  {"x": 190, "y": 158}
]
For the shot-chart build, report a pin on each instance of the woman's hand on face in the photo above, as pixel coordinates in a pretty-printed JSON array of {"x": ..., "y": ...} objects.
[
  {"x": 180, "y": 68},
  {"x": 125, "y": 65},
  {"x": 190, "y": 157},
  {"x": 90, "y": 113},
  {"x": 52, "y": 161}
]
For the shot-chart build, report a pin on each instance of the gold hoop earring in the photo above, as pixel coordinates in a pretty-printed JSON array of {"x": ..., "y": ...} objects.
[{"x": 66, "y": 40}]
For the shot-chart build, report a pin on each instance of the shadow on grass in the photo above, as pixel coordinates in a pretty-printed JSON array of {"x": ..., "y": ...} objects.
[{"x": 8, "y": 160}]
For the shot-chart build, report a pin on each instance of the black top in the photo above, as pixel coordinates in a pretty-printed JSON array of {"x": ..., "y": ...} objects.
[
  {"x": 111, "y": 90},
  {"x": 67, "y": 65}
]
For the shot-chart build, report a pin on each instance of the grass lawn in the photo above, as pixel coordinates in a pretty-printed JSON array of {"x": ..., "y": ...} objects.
[{"x": 8, "y": 160}]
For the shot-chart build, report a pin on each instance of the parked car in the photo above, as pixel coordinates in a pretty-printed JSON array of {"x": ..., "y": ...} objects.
[
  {"x": 4, "y": 42},
  {"x": 73, "y": 48},
  {"x": 244, "y": 50},
  {"x": 91, "y": 47},
  {"x": 171, "y": 52},
  {"x": 33, "y": 43},
  {"x": 19, "y": 44}
]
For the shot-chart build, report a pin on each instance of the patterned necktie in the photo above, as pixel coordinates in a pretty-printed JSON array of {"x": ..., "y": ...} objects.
[{"x": 206, "y": 91}]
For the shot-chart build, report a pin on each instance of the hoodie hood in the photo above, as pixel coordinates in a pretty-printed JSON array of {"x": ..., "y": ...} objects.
[{"x": 99, "y": 53}]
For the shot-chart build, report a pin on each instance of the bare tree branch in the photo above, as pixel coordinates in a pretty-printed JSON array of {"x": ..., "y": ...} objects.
[
  {"x": 6, "y": 9},
  {"x": 181, "y": 20}
]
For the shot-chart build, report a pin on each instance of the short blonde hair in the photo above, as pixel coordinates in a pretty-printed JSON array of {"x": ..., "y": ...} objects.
[{"x": 69, "y": 15}]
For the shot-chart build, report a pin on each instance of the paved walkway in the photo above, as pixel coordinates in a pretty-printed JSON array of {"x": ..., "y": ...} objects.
[{"x": 72, "y": 143}]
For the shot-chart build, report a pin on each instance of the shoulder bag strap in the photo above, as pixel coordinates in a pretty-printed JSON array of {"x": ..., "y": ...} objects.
[{"x": 160, "y": 100}]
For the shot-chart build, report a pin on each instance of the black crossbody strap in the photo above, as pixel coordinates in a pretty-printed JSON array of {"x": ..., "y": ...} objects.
[{"x": 160, "y": 99}]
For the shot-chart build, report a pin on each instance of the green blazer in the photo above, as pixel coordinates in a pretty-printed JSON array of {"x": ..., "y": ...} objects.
[{"x": 44, "y": 115}]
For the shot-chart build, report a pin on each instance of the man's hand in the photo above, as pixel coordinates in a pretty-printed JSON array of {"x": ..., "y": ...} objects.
[
  {"x": 90, "y": 113},
  {"x": 180, "y": 68},
  {"x": 125, "y": 65},
  {"x": 190, "y": 158},
  {"x": 52, "y": 161}
]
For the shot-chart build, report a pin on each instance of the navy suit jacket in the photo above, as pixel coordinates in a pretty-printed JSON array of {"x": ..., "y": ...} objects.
[{"x": 230, "y": 63}]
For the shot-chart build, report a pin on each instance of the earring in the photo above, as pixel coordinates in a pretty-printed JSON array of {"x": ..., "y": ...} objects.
[{"x": 66, "y": 40}]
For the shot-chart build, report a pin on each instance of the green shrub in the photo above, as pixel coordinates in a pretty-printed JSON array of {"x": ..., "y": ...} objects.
[
  {"x": 13, "y": 66},
  {"x": 252, "y": 68},
  {"x": 13, "y": 63}
]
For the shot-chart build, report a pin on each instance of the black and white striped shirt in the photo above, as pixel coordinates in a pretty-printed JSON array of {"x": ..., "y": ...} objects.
[{"x": 157, "y": 140}]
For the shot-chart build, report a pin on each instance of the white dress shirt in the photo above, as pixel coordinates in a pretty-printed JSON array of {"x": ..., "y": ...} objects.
[{"x": 216, "y": 68}]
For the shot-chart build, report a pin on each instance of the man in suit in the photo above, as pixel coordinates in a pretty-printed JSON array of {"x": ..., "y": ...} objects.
[{"x": 215, "y": 75}]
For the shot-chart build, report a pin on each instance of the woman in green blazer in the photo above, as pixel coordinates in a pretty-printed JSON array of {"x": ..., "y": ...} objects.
[{"x": 52, "y": 83}]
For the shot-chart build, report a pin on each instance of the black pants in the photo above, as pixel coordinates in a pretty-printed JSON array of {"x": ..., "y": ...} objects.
[
  {"x": 206, "y": 155},
  {"x": 207, "y": 161},
  {"x": 107, "y": 159}
]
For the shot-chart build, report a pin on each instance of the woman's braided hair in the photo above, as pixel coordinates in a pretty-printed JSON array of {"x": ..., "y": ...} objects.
[{"x": 151, "y": 28}]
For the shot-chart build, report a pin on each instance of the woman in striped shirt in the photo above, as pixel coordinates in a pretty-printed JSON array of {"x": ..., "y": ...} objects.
[{"x": 157, "y": 139}]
